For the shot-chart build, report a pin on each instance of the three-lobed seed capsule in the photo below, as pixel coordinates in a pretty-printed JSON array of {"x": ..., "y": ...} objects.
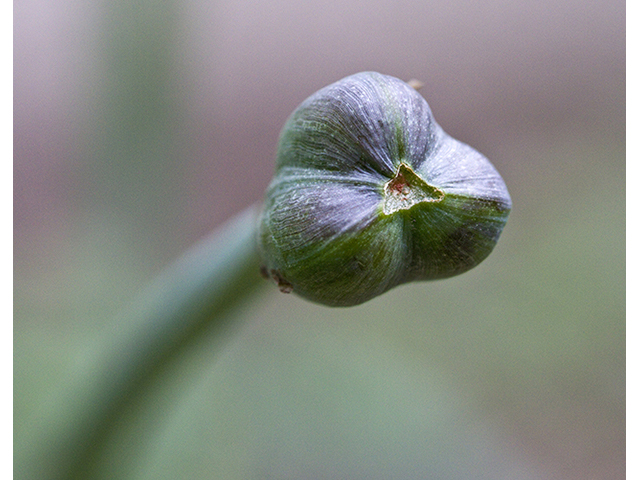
[{"x": 369, "y": 193}]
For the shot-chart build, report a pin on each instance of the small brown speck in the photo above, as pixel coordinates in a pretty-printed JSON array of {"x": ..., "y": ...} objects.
[
  {"x": 417, "y": 84},
  {"x": 283, "y": 285}
]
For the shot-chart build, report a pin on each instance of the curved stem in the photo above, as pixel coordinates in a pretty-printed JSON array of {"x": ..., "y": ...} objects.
[{"x": 190, "y": 297}]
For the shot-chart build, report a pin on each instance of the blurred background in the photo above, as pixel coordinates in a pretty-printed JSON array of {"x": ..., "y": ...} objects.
[{"x": 140, "y": 126}]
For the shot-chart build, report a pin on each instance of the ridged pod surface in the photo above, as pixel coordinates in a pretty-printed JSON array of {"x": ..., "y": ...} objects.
[{"x": 369, "y": 193}]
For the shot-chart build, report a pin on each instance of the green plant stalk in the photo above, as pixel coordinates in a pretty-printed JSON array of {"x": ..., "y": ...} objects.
[{"x": 189, "y": 298}]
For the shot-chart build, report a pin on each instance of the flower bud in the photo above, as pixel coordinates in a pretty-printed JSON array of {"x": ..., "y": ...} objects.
[{"x": 369, "y": 193}]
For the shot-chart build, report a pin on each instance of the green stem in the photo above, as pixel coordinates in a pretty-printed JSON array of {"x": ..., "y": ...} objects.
[{"x": 188, "y": 299}]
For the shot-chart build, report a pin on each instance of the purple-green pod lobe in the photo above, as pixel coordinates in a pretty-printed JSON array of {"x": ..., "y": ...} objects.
[{"x": 369, "y": 193}]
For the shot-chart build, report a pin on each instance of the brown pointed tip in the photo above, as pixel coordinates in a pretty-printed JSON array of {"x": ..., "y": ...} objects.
[{"x": 416, "y": 84}]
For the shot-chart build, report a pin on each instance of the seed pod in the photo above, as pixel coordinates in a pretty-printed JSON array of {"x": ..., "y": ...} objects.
[{"x": 369, "y": 193}]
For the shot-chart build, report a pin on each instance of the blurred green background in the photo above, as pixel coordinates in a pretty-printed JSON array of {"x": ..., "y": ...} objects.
[{"x": 140, "y": 126}]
